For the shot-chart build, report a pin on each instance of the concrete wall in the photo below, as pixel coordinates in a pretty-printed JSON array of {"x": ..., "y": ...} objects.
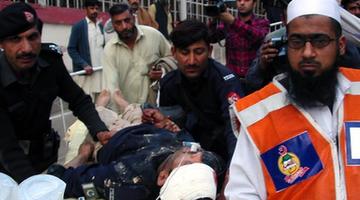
[{"x": 58, "y": 34}]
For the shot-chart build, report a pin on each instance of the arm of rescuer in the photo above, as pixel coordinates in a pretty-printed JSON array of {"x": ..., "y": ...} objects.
[{"x": 81, "y": 104}]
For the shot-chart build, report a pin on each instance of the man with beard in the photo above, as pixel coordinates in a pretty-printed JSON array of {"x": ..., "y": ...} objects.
[
  {"x": 129, "y": 57},
  {"x": 203, "y": 88},
  {"x": 142, "y": 17},
  {"x": 244, "y": 34},
  {"x": 32, "y": 75},
  {"x": 272, "y": 60},
  {"x": 298, "y": 135},
  {"x": 85, "y": 48}
]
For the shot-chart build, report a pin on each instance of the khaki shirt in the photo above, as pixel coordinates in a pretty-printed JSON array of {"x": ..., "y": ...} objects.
[{"x": 128, "y": 69}]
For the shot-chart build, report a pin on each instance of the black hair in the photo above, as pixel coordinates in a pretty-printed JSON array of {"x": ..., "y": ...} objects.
[
  {"x": 163, "y": 2},
  {"x": 345, "y": 3},
  {"x": 283, "y": 3},
  {"x": 88, "y": 3},
  {"x": 336, "y": 27},
  {"x": 118, "y": 9},
  {"x": 188, "y": 32}
]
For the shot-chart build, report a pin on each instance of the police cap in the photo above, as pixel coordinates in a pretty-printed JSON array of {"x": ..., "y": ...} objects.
[{"x": 17, "y": 18}]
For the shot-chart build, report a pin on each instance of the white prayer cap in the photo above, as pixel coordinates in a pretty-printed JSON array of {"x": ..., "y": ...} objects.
[
  {"x": 297, "y": 8},
  {"x": 189, "y": 182},
  {"x": 8, "y": 188},
  {"x": 42, "y": 187}
]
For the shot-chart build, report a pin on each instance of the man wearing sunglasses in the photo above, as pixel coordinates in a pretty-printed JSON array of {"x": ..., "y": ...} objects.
[{"x": 298, "y": 135}]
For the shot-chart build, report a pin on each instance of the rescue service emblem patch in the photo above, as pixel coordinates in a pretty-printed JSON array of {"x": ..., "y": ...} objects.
[
  {"x": 292, "y": 161},
  {"x": 289, "y": 165}
]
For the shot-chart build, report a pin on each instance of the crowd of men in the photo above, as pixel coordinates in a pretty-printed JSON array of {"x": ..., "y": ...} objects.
[{"x": 279, "y": 120}]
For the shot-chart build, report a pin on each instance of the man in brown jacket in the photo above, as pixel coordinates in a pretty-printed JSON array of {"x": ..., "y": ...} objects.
[{"x": 141, "y": 14}]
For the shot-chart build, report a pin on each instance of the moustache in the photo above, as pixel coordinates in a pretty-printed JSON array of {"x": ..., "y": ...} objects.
[
  {"x": 309, "y": 62},
  {"x": 26, "y": 56},
  {"x": 126, "y": 32},
  {"x": 192, "y": 66}
]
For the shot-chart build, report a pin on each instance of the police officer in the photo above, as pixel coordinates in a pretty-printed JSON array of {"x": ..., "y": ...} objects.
[
  {"x": 32, "y": 75},
  {"x": 203, "y": 87}
]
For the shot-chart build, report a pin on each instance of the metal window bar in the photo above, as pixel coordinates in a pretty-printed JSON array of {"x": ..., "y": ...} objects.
[
  {"x": 195, "y": 7},
  {"x": 61, "y": 103}
]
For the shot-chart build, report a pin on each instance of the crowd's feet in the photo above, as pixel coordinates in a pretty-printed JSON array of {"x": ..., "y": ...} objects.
[
  {"x": 119, "y": 99},
  {"x": 86, "y": 150},
  {"x": 105, "y": 95},
  {"x": 103, "y": 98}
]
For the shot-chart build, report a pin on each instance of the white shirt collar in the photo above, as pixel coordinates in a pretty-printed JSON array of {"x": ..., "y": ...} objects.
[{"x": 88, "y": 21}]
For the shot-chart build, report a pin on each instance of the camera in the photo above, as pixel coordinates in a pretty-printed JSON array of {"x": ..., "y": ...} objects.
[
  {"x": 279, "y": 43},
  {"x": 218, "y": 6}
]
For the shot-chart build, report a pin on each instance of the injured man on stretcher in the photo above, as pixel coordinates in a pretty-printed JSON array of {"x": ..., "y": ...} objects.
[{"x": 148, "y": 157}]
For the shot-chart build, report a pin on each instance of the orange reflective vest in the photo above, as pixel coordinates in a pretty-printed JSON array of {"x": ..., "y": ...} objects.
[{"x": 299, "y": 160}]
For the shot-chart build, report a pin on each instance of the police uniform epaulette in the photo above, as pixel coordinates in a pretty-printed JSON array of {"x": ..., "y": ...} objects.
[
  {"x": 225, "y": 73},
  {"x": 51, "y": 48}
]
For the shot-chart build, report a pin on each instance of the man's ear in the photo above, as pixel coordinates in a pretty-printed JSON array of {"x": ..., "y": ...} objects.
[
  {"x": 210, "y": 50},
  {"x": 342, "y": 45},
  {"x": 173, "y": 50},
  {"x": 163, "y": 175}
]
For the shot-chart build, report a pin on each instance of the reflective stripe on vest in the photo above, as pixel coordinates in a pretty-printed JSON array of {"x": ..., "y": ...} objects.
[{"x": 299, "y": 160}]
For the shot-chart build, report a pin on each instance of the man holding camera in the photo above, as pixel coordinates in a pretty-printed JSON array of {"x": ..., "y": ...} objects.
[
  {"x": 244, "y": 35},
  {"x": 269, "y": 62},
  {"x": 271, "y": 58}
]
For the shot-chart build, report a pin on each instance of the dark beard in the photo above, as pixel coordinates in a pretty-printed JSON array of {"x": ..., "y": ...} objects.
[
  {"x": 309, "y": 91},
  {"x": 127, "y": 34},
  {"x": 245, "y": 14}
]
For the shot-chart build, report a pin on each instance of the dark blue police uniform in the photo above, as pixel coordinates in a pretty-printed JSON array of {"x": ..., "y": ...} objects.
[
  {"x": 27, "y": 143},
  {"x": 205, "y": 102},
  {"x": 127, "y": 164}
]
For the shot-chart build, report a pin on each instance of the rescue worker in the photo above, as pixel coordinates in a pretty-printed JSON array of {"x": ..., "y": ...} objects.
[{"x": 298, "y": 135}]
